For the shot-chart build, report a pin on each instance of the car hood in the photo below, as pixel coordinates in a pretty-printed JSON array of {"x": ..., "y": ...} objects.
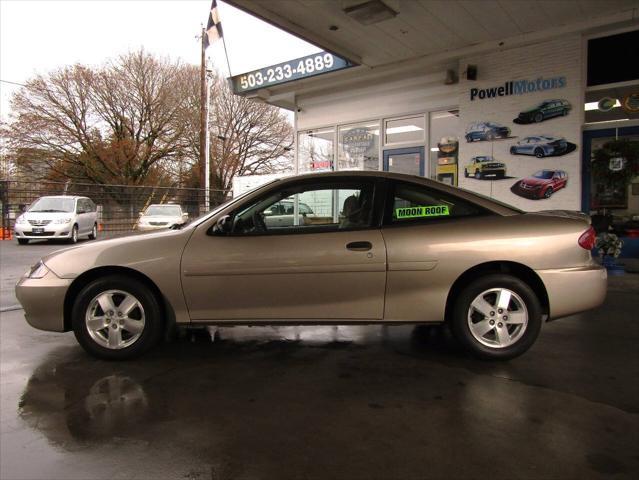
[
  {"x": 140, "y": 252},
  {"x": 536, "y": 181},
  {"x": 46, "y": 215}
]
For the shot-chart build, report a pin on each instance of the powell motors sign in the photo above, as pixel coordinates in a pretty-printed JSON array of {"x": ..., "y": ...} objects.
[{"x": 518, "y": 87}]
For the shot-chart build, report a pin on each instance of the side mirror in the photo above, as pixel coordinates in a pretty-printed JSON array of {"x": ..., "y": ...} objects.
[{"x": 222, "y": 226}]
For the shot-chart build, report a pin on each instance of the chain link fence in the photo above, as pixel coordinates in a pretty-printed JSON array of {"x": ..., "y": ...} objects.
[{"x": 119, "y": 206}]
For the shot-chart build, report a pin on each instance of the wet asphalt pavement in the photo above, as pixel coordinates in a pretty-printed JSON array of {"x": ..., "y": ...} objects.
[{"x": 324, "y": 402}]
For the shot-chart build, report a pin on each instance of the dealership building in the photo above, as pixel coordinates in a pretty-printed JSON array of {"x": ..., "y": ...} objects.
[{"x": 513, "y": 100}]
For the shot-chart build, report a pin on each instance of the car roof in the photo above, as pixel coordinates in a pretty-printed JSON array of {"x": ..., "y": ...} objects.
[
  {"x": 466, "y": 194},
  {"x": 63, "y": 196}
]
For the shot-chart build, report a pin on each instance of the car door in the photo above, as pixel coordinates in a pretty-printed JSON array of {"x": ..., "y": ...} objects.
[
  {"x": 327, "y": 266},
  {"x": 81, "y": 215},
  {"x": 426, "y": 234}
]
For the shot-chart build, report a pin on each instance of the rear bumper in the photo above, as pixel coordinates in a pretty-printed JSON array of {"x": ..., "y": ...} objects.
[
  {"x": 43, "y": 301},
  {"x": 574, "y": 290}
]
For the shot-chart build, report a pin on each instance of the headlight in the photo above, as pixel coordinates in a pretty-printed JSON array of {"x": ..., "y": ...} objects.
[
  {"x": 39, "y": 270},
  {"x": 62, "y": 220},
  {"x": 20, "y": 220}
]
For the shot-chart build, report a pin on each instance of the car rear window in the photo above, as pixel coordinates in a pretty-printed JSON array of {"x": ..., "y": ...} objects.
[{"x": 415, "y": 203}]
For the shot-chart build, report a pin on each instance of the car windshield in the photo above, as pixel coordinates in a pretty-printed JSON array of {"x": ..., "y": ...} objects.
[
  {"x": 52, "y": 204},
  {"x": 544, "y": 174},
  {"x": 164, "y": 210},
  {"x": 484, "y": 159}
]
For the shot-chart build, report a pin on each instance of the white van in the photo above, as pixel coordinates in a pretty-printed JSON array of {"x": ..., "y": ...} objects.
[{"x": 57, "y": 217}]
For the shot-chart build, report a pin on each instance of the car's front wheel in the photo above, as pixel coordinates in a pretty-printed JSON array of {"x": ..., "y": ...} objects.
[
  {"x": 23, "y": 241},
  {"x": 116, "y": 318},
  {"x": 466, "y": 172},
  {"x": 94, "y": 232},
  {"x": 74, "y": 235},
  {"x": 539, "y": 153},
  {"x": 497, "y": 317}
]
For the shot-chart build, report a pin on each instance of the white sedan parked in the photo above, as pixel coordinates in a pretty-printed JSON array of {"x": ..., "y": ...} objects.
[{"x": 160, "y": 216}]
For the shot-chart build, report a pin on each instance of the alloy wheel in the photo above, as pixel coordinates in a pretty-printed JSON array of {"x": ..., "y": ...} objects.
[
  {"x": 497, "y": 318},
  {"x": 115, "y": 319}
]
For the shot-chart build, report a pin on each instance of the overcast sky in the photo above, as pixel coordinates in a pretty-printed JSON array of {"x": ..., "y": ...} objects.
[{"x": 39, "y": 36}]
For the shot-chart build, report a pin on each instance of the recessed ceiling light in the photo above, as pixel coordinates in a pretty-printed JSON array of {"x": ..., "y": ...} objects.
[{"x": 368, "y": 13}]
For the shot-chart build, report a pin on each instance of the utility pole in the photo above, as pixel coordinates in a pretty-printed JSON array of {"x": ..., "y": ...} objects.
[{"x": 204, "y": 129}]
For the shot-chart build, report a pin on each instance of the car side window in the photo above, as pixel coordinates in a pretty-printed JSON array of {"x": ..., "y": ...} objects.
[
  {"x": 308, "y": 208},
  {"x": 413, "y": 203}
]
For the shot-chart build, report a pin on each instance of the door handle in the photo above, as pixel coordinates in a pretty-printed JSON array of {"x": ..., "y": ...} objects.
[{"x": 359, "y": 246}]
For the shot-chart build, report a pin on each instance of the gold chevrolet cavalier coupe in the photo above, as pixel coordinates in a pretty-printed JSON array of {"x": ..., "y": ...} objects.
[{"x": 334, "y": 248}]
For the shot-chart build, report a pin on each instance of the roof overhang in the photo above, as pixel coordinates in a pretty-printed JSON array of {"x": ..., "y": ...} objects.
[{"x": 424, "y": 35}]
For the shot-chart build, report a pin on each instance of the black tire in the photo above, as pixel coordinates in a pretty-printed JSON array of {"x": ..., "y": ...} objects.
[
  {"x": 478, "y": 175},
  {"x": 23, "y": 241},
  {"x": 501, "y": 174},
  {"x": 460, "y": 317},
  {"x": 94, "y": 233},
  {"x": 539, "y": 153},
  {"x": 538, "y": 117},
  {"x": 152, "y": 330},
  {"x": 549, "y": 191},
  {"x": 74, "y": 235},
  {"x": 465, "y": 173},
  {"x": 490, "y": 136},
  {"x": 565, "y": 112}
]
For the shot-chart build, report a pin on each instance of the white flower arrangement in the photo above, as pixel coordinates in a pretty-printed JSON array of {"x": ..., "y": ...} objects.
[{"x": 608, "y": 244}]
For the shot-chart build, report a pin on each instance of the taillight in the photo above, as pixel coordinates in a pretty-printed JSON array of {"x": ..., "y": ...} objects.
[{"x": 587, "y": 239}]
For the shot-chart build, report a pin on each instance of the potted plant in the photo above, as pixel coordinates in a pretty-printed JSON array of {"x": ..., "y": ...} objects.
[{"x": 609, "y": 247}]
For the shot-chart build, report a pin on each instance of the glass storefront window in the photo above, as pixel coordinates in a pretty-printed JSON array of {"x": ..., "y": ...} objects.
[
  {"x": 359, "y": 146},
  {"x": 444, "y": 146},
  {"x": 316, "y": 150},
  {"x": 405, "y": 130}
]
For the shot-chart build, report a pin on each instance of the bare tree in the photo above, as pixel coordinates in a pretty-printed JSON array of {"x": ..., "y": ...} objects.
[
  {"x": 134, "y": 121},
  {"x": 114, "y": 124}
]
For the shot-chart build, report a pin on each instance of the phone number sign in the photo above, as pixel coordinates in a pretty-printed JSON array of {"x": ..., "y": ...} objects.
[{"x": 304, "y": 67}]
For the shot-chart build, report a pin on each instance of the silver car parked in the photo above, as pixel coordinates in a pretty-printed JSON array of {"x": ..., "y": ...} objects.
[{"x": 57, "y": 217}]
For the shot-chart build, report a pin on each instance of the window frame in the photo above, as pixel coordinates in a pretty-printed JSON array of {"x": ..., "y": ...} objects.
[
  {"x": 379, "y": 195},
  {"x": 390, "y": 202}
]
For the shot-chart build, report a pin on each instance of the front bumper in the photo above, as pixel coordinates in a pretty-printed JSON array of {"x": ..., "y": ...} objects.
[
  {"x": 574, "y": 290},
  {"x": 52, "y": 230},
  {"x": 533, "y": 194},
  {"x": 494, "y": 171},
  {"x": 43, "y": 301},
  {"x": 147, "y": 228}
]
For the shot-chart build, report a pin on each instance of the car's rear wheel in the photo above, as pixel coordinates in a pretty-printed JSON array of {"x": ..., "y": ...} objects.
[
  {"x": 549, "y": 191},
  {"x": 116, "y": 318},
  {"x": 497, "y": 317},
  {"x": 23, "y": 241},
  {"x": 513, "y": 151},
  {"x": 539, "y": 152},
  {"x": 538, "y": 117},
  {"x": 94, "y": 232}
]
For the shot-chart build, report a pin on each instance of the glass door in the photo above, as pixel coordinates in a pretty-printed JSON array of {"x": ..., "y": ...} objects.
[{"x": 405, "y": 160}]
